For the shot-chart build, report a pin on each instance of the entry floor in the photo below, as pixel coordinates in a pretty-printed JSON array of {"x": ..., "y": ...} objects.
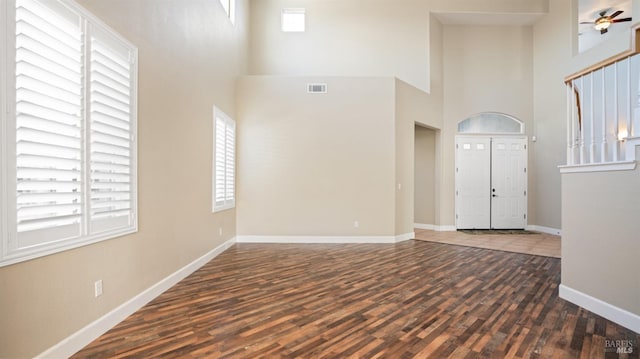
[{"x": 539, "y": 244}]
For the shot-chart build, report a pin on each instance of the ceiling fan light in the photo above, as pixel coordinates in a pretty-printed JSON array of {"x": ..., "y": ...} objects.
[{"x": 602, "y": 24}]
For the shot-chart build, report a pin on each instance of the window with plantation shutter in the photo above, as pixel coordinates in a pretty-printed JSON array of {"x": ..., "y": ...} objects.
[
  {"x": 224, "y": 165},
  {"x": 110, "y": 134},
  {"x": 68, "y": 125},
  {"x": 48, "y": 121}
]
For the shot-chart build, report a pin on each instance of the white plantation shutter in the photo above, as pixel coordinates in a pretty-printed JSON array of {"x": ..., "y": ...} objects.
[
  {"x": 48, "y": 122},
  {"x": 70, "y": 177},
  {"x": 110, "y": 134},
  {"x": 230, "y": 165},
  {"x": 224, "y": 161}
]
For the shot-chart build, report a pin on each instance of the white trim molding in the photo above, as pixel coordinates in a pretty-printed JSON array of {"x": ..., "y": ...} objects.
[
  {"x": 78, "y": 340},
  {"x": 325, "y": 239},
  {"x": 434, "y": 227},
  {"x": 542, "y": 229},
  {"x": 617, "y": 315},
  {"x": 430, "y": 227},
  {"x": 599, "y": 167}
]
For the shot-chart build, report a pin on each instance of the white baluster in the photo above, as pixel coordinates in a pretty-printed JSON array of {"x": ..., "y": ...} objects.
[
  {"x": 569, "y": 143},
  {"x": 604, "y": 119},
  {"x": 629, "y": 101},
  {"x": 635, "y": 133},
  {"x": 616, "y": 155},
  {"x": 580, "y": 101},
  {"x": 573, "y": 122},
  {"x": 592, "y": 145}
]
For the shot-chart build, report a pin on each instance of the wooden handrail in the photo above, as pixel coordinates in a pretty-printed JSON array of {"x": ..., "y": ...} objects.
[{"x": 634, "y": 48}]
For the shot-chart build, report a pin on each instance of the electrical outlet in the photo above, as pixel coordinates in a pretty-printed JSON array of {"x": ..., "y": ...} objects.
[
  {"x": 356, "y": 224},
  {"x": 97, "y": 288},
  {"x": 220, "y": 231}
]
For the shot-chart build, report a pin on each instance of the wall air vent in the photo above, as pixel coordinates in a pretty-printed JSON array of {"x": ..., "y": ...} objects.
[{"x": 316, "y": 88}]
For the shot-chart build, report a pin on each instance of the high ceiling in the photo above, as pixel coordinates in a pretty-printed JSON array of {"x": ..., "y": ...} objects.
[{"x": 589, "y": 11}]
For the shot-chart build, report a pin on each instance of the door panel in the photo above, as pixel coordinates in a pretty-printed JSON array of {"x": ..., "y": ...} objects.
[
  {"x": 509, "y": 183},
  {"x": 473, "y": 181}
]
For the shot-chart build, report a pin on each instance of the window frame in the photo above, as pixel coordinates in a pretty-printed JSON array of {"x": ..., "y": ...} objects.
[
  {"x": 229, "y": 203},
  {"x": 15, "y": 253},
  {"x": 229, "y": 7},
  {"x": 293, "y": 11}
]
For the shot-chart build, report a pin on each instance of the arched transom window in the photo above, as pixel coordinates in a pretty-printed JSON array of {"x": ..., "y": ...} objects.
[{"x": 491, "y": 122}]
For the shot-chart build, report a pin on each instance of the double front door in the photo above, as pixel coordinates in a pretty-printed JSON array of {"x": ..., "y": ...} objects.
[{"x": 491, "y": 182}]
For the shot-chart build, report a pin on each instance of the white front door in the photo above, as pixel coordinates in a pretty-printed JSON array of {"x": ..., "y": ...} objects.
[
  {"x": 473, "y": 179},
  {"x": 491, "y": 182},
  {"x": 508, "y": 182}
]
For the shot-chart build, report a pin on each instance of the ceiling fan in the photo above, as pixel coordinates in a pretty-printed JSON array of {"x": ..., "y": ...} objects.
[{"x": 604, "y": 21}]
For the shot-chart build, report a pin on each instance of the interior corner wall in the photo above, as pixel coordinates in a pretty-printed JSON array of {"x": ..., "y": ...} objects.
[
  {"x": 425, "y": 175},
  {"x": 486, "y": 68},
  {"x": 552, "y": 56},
  {"x": 189, "y": 57},
  {"x": 405, "y": 118},
  {"x": 311, "y": 165}
]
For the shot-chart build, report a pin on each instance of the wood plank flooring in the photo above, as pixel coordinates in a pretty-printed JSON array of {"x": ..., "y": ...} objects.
[{"x": 408, "y": 300}]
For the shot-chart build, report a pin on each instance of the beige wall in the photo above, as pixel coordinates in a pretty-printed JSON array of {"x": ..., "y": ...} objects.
[
  {"x": 405, "y": 118},
  {"x": 359, "y": 37},
  {"x": 343, "y": 38},
  {"x": 189, "y": 55},
  {"x": 312, "y": 164},
  {"x": 600, "y": 244},
  {"x": 486, "y": 68},
  {"x": 425, "y": 175},
  {"x": 551, "y": 58}
]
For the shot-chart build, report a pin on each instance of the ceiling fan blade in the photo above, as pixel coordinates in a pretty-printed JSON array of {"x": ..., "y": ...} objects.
[
  {"x": 603, "y": 31},
  {"x": 622, "y": 20},
  {"x": 588, "y": 22},
  {"x": 616, "y": 14},
  {"x": 603, "y": 13}
]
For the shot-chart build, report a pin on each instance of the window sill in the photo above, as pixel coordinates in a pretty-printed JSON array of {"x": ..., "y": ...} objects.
[{"x": 23, "y": 255}]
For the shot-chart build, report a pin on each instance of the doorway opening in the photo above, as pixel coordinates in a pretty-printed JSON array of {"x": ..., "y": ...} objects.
[{"x": 491, "y": 173}]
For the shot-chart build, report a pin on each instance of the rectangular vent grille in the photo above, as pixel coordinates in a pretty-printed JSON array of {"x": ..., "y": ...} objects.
[{"x": 316, "y": 88}]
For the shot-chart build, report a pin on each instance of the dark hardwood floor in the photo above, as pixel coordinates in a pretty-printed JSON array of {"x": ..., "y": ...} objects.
[{"x": 409, "y": 300}]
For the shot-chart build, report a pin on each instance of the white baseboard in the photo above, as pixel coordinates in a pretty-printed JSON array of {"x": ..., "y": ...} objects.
[
  {"x": 542, "y": 229},
  {"x": 324, "y": 239},
  {"x": 405, "y": 237},
  {"x": 433, "y": 227},
  {"x": 617, "y": 315},
  {"x": 430, "y": 227},
  {"x": 86, "y": 335}
]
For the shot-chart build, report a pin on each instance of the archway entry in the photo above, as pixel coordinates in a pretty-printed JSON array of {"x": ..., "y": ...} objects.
[{"x": 491, "y": 173}]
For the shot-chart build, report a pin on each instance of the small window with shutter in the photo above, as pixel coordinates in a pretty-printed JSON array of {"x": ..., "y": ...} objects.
[
  {"x": 69, "y": 128},
  {"x": 224, "y": 161},
  {"x": 229, "y": 7}
]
